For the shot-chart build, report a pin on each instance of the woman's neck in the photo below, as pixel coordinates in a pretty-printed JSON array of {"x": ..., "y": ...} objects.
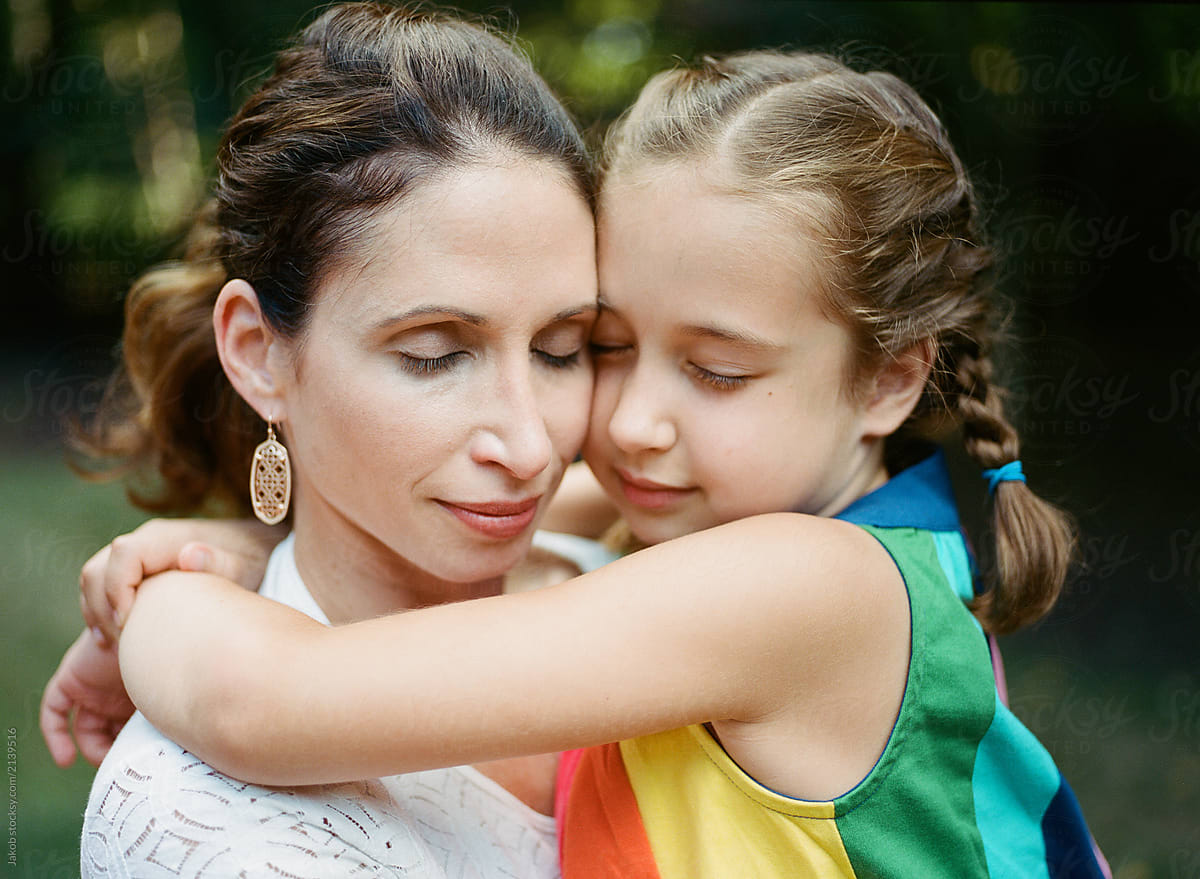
[{"x": 353, "y": 576}]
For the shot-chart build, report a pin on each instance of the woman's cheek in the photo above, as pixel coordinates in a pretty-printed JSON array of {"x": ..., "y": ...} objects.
[{"x": 572, "y": 414}]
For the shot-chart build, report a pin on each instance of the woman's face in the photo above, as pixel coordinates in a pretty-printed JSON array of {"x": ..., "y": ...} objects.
[{"x": 443, "y": 382}]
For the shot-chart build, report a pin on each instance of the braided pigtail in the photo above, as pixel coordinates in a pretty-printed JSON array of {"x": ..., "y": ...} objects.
[{"x": 1035, "y": 541}]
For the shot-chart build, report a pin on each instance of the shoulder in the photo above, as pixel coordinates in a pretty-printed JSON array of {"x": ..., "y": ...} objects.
[
  {"x": 792, "y": 557},
  {"x": 783, "y": 596},
  {"x": 128, "y": 819},
  {"x": 157, "y": 810},
  {"x": 834, "y": 581},
  {"x": 821, "y": 614}
]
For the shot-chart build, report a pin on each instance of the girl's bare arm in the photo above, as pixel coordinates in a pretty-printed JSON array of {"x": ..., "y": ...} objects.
[
  {"x": 233, "y": 548},
  {"x": 737, "y": 623}
]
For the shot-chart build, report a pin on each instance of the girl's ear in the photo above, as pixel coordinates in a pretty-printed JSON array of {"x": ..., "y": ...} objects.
[
  {"x": 896, "y": 388},
  {"x": 249, "y": 350}
]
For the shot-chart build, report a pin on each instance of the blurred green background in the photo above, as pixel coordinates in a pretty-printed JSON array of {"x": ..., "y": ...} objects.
[{"x": 1080, "y": 123}]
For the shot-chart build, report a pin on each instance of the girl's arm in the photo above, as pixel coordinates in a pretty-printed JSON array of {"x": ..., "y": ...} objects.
[
  {"x": 236, "y": 549},
  {"x": 580, "y": 505},
  {"x": 85, "y": 696},
  {"x": 736, "y": 623}
]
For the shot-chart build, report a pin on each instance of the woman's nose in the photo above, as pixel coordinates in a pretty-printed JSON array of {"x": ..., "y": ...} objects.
[{"x": 515, "y": 435}]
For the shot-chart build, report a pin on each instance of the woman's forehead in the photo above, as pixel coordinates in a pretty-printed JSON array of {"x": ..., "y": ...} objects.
[{"x": 475, "y": 241}]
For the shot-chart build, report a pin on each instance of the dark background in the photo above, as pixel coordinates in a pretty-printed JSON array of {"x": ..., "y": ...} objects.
[{"x": 1081, "y": 125}]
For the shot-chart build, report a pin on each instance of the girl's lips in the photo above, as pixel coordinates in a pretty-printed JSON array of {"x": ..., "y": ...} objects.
[
  {"x": 498, "y": 519},
  {"x": 648, "y": 494}
]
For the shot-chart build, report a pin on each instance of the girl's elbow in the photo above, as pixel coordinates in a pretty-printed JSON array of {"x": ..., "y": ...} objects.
[
  {"x": 243, "y": 718},
  {"x": 217, "y": 717},
  {"x": 219, "y": 685}
]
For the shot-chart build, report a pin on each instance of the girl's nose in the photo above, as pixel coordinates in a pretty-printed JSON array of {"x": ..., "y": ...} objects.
[{"x": 641, "y": 419}]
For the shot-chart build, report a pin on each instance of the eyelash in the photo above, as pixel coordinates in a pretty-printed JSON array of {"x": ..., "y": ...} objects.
[
  {"x": 714, "y": 380},
  {"x": 555, "y": 361},
  {"x": 599, "y": 350},
  {"x": 429, "y": 365},
  {"x": 717, "y": 381},
  {"x": 434, "y": 365}
]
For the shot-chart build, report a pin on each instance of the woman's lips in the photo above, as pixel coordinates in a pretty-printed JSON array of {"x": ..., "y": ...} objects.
[
  {"x": 499, "y": 519},
  {"x": 647, "y": 494}
]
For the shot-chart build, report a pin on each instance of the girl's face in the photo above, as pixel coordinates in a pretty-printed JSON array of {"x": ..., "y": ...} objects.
[
  {"x": 443, "y": 382},
  {"x": 719, "y": 383}
]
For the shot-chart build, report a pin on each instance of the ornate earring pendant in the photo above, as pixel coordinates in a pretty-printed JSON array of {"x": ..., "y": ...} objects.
[{"x": 270, "y": 479}]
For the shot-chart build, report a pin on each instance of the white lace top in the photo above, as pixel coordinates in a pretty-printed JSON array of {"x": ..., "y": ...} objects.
[{"x": 157, "y": 811}]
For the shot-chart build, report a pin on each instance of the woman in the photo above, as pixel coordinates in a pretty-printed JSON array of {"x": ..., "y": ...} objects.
[{"x": 395, "y": 280}]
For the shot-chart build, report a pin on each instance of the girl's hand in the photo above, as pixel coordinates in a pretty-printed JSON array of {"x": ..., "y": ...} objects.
[
  {"x": 234, "y": 549},
  {"x": 85, "y": 697}
]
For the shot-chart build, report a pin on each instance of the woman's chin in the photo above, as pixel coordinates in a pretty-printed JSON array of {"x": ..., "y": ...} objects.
[{"x": 488, "y": 562}]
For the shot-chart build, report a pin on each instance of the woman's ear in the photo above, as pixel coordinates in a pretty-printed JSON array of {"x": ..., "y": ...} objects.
[
  {"x": 896, "y": 388},
  {"x": 245, "y": 344}
]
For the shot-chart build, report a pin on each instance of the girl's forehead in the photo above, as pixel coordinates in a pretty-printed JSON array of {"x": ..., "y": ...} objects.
[{"x": 682, "y": 225}]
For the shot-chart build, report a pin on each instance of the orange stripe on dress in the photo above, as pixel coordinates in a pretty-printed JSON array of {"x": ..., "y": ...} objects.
[{"x": 600, "y": 829}]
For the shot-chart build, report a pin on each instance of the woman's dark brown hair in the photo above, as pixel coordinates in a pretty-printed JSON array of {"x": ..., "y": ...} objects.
[
  {"x": 370, "y": 101},
  {"x": 870, "y": 170}
]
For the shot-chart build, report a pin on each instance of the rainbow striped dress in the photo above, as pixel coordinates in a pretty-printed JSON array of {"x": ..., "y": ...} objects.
[{"x": 962, "y": 788}]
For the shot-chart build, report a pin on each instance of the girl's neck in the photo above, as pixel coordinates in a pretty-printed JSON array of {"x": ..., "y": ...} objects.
[
  {"x": 867, "y": 473},
  {"x": 352, "y": 576}
]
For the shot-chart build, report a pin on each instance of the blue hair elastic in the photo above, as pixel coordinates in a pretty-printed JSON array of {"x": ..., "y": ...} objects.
[{"x": 1010, "y": 472}]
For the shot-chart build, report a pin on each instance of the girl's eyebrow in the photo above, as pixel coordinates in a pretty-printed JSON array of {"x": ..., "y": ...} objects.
[
  {"x": 745, "y": 338},
  {"x": 728, "y": 334}
]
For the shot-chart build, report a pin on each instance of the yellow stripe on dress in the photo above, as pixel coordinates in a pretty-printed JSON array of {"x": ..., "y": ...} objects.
[{"x": 707, "y": 819}]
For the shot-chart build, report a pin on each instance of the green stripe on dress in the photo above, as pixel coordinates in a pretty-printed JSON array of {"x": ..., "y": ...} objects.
[{"x": 914, "y": 815}]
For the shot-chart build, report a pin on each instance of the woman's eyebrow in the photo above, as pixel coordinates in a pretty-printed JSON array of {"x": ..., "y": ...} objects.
[
  {"x": 471, "y": 318},
  {"x": 468, "y": 317}
]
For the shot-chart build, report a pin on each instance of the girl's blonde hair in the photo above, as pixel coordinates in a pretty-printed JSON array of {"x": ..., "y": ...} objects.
[{"x": 867, "y": 167}]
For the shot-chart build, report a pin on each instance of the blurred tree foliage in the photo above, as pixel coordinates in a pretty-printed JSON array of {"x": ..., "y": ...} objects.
[{"x": 111, "y": 108}]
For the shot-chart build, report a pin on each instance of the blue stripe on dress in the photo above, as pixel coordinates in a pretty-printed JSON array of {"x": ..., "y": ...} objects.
[
  {"x": 955, "y": 563},
  {"x": 1014, "y": 783},
  {"x": 1068, "y": 843}
]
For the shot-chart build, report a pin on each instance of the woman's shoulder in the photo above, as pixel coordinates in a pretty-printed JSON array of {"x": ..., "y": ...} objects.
[
  {"x": 129, "y": 821},
  {"x": 157, "y": 810}
]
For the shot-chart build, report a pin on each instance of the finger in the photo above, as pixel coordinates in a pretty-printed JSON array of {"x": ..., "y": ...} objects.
[
  {"x": 127, "y": 567},
  {"x": 94, "y": 734},
  {"x": 150, "y": 549},
  {"x": 210, "y": 560},
  {"x": 93, "y": 600},
  {"x": 54, "y": 721}
]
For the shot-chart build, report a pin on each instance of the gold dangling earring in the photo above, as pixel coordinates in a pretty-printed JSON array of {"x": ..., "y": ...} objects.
[{"x": 270, "y": 479}]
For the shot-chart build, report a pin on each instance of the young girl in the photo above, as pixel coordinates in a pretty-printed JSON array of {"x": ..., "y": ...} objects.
[{"x": 793, "y": 303}]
